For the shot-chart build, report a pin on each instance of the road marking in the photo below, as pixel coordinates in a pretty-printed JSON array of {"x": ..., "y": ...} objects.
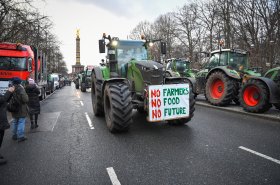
[
  {"x": 113, "y": 176},
  {"x": 82, "y": 103},
  {"x": 55, "y": 121},
  {"x": 89, "y": 121},
  {"x": 260, "y": 154}
]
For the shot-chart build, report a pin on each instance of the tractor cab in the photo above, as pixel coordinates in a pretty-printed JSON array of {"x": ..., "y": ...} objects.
[
  {"x": 130, "y": 59},
  {"x": 180, "y": 65},
  {"x": 234, "y": 59}
]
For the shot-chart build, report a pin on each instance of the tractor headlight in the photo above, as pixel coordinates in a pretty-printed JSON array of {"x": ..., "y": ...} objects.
[
  {"x": 114, "y": 43},
  {"x": 151, "y": 44}
]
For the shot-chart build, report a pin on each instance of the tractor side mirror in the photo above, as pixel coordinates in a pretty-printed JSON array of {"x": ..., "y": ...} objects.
[
  {"x": 102, "y": 46},
  {"x": 163, "y": 47}
]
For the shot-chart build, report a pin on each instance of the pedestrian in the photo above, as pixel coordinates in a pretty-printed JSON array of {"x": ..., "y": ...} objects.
[
  {"x": 4, "y": 124},
  {"x": 19, "y": 117},
  {"x": 34, "y": 103}
]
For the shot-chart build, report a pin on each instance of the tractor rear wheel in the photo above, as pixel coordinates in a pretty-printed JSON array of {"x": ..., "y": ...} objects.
[
  {"x": 219, "y": 89},
  {"x": 182, "y": 121},
  {"x": 254, "y": 96},
  {"x": 117, "y": 106},
  {"x": 96, "y": 97},
  {"x": 83, "y": 87}
]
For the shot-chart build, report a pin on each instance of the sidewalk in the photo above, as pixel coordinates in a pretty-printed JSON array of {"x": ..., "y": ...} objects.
[{"x": 272, "y": 114}]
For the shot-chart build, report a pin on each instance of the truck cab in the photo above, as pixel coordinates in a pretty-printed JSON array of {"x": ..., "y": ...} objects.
[{"x": 22, "y": 61}]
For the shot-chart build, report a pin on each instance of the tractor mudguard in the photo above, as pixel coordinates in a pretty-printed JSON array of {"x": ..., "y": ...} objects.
[
  {"x": 229, "y": 72},
  {"x": 173, "y": 73},
  {"x": 274, "y": 90},
  {"x": 98, "y": 73}
]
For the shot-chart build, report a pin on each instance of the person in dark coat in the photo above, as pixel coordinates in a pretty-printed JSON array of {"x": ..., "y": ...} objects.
[
  {"x": 4, "y": 124},
  {"x": 19, "y": 117},
  {"x": 34, "y": 103}
]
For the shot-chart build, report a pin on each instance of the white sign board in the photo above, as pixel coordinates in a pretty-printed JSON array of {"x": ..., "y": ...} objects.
[
  {"x": 168, "y": 102},
  {"x": 3, "y": 86}
]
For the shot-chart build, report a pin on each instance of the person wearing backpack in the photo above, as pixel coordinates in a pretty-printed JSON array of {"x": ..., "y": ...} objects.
[
  {"x": 4, "y": 124},
  {"x": 34, "y": 103},
  {"x": 19, "y": 117}
]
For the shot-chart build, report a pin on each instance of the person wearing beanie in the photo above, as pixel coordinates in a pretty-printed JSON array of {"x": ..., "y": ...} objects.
[
  {"x": 34, "y": 103},
  {"x": 19, "y": 117}
]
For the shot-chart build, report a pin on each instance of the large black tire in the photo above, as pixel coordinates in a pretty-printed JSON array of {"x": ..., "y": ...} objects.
[
  {"x": 117, "y": 106},
  {"x": 219, "y": 89},
  {"x": 236, "y": 88},
  {"x": 254, "y": 96},
  {"x": 183, "y": 121},
  {"x": 277, "y": 106},
  {"x": 96, "y": 97},
  {"x": 77, "y": 85},
  {"x": 83, "y": 87}
]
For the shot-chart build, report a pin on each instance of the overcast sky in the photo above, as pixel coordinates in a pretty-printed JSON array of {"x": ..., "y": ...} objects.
[{"x": 94, "y": 17}]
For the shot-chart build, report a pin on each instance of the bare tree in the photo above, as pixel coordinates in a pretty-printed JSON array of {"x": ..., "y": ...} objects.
[
  {"x": 21, "y": 22},
  {"x": 143, "y": 28},
  {"x": 187, "y": 29}
]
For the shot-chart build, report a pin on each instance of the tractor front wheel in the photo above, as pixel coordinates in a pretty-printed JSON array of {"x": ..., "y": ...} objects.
[
  {"x": 77, "y": 85},
  {"x": 117, "y": 106},
  {"x": 236, "y": 87},
  {"x": 254, "y": 97},
  {"x": 219, "y": 89}
]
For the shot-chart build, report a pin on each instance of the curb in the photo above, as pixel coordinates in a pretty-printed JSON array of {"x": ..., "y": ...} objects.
[
  {"x": 229, "y": 109},
  {"x": 48, "y": 96}
]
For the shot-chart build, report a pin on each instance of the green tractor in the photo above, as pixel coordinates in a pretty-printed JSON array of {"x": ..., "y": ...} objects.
[
  {"x": 125, "y": 80},
  {"x": 222, "y": 75},
  {"x": 85, "y": 78},
  {"x": 179, "y": 67},
  {"x": 258, "y": 94}
]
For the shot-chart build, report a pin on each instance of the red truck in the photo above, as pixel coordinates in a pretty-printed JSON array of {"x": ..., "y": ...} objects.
[{"x": 23, "y": 61}]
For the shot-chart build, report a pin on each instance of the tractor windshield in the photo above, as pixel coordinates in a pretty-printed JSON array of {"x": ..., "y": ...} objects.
[
  {"x": 238, "y": 61},
  {"x": 89, "y": 73},
  {"x": 13, "y": 63},
  {"x": 218, "y": 59},
  {"x": 127, "y": 50},
  {"x": 182, "y": 65}
]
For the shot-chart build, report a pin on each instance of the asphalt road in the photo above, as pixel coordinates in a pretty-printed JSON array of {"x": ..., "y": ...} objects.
[{"x": 71, "y": 146}]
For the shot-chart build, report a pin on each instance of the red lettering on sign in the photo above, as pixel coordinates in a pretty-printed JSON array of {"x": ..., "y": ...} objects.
[
  {"x": 156, "y": 114},
  {"x": 156, "y": 103},
  {"x": 155, "y": 93}
]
